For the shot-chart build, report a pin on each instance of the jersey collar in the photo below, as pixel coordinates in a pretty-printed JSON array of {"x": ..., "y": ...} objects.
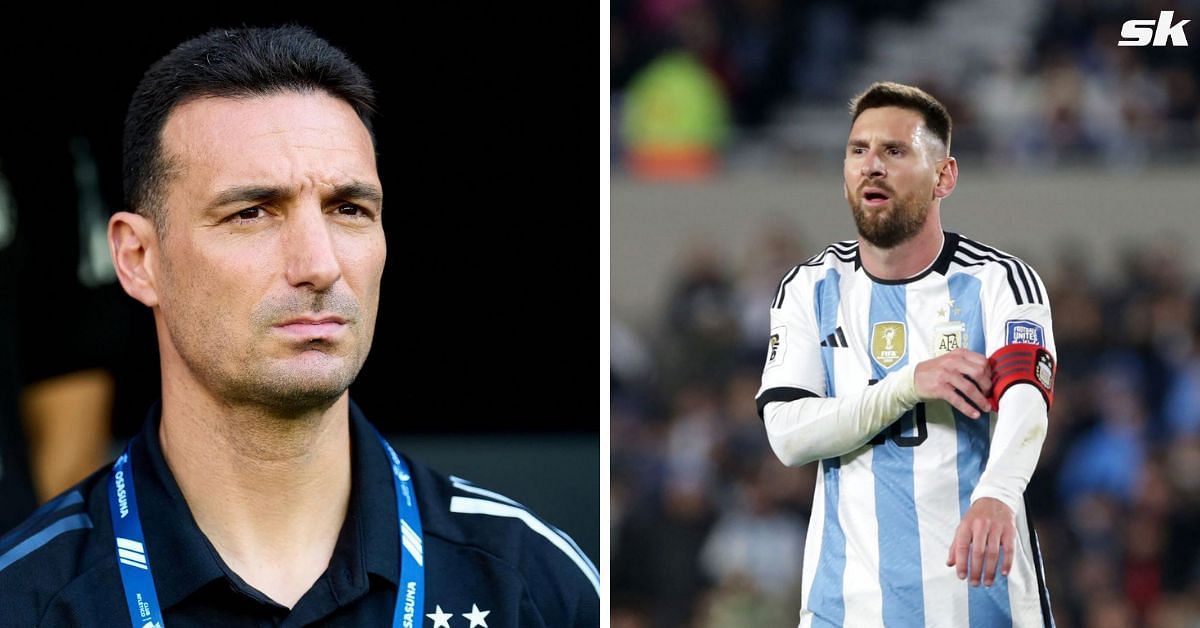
[{"x": 940, "y": 265}]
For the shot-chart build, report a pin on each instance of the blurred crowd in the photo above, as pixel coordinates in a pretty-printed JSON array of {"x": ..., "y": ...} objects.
[
  {"x": 708, "y": 527},
  {"x": 1078, "y": 97},
  {"x": 725, "y": 74}
]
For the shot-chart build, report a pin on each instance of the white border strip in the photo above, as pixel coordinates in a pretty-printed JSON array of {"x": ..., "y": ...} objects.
[{"x": 606, "y": 97}]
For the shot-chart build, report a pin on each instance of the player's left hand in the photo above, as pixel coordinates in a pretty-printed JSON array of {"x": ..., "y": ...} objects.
[{"x": 988, "y": 527}]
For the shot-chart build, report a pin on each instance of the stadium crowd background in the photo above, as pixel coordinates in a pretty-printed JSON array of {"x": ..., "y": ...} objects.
[{"x": 707, "y": 527}]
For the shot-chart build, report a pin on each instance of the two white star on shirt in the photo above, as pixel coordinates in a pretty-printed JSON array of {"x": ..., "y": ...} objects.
[
  {"x": 942, "y": 313},
  {"x": 442, "y": 619}
]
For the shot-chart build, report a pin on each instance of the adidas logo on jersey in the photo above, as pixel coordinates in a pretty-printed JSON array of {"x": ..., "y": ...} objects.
[{"x": 836, "y": 339}]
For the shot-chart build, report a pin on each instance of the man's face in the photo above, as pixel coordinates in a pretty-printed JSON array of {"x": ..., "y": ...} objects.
[
  {"x": 273, "y": 248},
  {"x": 891, "y": 167}
]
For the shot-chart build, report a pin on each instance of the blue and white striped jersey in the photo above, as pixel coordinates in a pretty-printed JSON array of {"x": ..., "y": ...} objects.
[{"x": 885, "y": 514}]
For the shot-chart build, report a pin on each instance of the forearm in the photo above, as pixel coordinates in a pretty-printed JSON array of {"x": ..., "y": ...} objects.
[
  {"x": 1016, "y": 445},
  {"x": 67, "y": 421},
  {"x": 813, "y": 428}
]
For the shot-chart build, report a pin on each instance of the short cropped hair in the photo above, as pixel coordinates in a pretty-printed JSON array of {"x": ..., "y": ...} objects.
[
  {"x": 227, "y": 63},
  {"x": 887, "y": 94}
]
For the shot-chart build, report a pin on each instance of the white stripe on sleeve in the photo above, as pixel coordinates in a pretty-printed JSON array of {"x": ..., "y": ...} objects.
[{"x": 470, "y": 505}]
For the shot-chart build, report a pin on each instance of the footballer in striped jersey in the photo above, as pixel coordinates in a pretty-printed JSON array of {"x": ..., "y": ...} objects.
[{"x": 917, "y": 366}]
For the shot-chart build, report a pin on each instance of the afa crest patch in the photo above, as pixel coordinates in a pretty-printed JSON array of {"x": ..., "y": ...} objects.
[
  {"x": 1044, "y": 369},
  {"x": 776, "y": 346},
  {"x": 949, "y": 336},
  {"x": 1024, "y": 331}
]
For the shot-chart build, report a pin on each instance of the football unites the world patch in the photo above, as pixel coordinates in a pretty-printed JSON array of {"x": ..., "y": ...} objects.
[{"x": 1025, "y": 331}]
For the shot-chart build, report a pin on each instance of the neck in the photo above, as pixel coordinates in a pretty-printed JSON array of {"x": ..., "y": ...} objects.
[
  {"x": 908, "y": 258},
  {"x": 269, "y": 492}
]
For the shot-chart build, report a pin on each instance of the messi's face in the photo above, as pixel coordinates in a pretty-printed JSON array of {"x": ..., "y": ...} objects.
[
  {"x": 273, "y": 250},
  {"x": 890, "y": 172}
]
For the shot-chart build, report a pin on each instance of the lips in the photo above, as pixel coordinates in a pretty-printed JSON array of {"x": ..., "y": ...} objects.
[
  {"x": 315, "y": 320},
  {"x": 310, "y": 327},
  {"x": 875, "y": 196}
]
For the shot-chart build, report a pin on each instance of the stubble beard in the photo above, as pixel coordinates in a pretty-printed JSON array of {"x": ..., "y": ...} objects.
[
  {"x": 244, "y": 374},
  {"x": 288, "y": 386},
  {"x": 889, "y": 226}
]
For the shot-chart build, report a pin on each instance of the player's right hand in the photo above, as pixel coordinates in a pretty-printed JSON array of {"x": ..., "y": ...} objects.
[{"x": 962, "y": 378}]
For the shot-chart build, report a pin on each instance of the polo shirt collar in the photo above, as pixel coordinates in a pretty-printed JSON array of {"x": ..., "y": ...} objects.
[{"x": 184, "y": 561}]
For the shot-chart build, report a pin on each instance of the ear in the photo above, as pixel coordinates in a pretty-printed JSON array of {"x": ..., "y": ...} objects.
[
  {"x": 133, "y": 244},
  {"x": 947, "y": 178}
]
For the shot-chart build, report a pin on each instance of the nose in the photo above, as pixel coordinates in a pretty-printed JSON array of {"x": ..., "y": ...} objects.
[
  {"x": 872, "y": 165},
  {"x": 309, "y": 249}
]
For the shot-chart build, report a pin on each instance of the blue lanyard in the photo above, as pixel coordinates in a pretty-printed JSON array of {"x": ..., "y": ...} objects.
[
  {"x": 134, "y": 562},
  {"x": 410, "y": 598}
]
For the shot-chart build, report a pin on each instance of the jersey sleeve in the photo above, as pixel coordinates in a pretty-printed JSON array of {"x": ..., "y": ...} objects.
[
  {"x": 564, "y": 584},
  {"x": 1015, "y": 314},
  {"x": 1019, "y": 311},
  {"x": 793, "y": 368}
]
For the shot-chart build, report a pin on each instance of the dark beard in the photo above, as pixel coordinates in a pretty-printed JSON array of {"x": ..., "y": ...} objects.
[{"x": 902, "y": 222}]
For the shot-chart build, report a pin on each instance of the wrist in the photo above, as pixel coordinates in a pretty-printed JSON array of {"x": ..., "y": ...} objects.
[{"x": 1012, "y": 501}]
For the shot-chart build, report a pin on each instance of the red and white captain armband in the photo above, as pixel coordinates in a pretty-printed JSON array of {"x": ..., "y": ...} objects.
[{"x": 1022, "y": 363}]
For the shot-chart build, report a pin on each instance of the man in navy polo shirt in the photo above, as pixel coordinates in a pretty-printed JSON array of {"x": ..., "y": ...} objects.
[{"x": 257, "y": 493}]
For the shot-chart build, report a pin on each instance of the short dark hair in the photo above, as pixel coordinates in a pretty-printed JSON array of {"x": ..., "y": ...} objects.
[
  {"x": 887, "y": 94},
  {"x": 228, "y": 63}
]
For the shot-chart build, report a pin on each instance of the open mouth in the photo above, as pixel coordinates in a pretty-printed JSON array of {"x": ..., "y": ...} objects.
[{"x": 875, "y": 196}]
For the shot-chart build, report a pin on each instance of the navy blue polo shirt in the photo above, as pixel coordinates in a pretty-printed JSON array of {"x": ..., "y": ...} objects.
[{"x": 488, "y": 561}]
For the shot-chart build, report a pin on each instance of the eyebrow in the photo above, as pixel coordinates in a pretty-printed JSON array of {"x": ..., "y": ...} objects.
[
  {"x": 886, "y": 143},
  {"x": 354, "y": 190}
]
